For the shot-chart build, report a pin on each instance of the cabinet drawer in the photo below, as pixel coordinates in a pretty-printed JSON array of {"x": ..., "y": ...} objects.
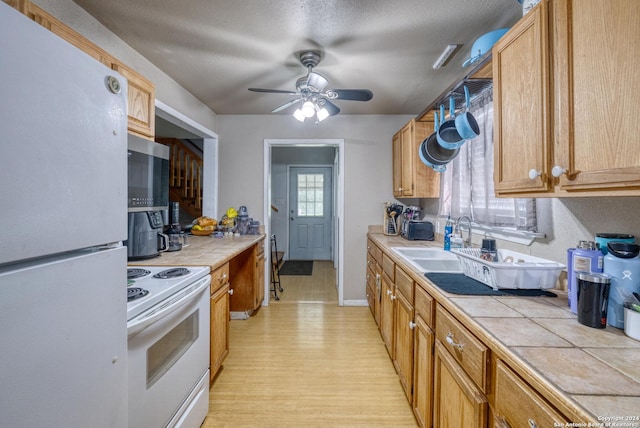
[
  {"x": 519, "y": 405},
  {"x": 375, "y": 252},
  {"x": 388, "y": 267},
  {"x": 219, "y": 277},
  {"x": 404, "y": 283},
  {"x": 423, "y": 304},
  {"x": 471, "y": 354},
  {"x": 371, "y": 262}
]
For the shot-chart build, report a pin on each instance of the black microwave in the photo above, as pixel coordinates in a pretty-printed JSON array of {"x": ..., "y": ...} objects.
[{"x": 148, "y": 175}]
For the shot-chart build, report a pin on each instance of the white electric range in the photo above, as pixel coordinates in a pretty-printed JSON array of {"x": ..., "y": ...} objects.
[{"x": 168, "y": 345}]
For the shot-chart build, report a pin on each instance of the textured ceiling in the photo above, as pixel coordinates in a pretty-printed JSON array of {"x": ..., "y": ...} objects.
[{"x": 216, "y": 49}]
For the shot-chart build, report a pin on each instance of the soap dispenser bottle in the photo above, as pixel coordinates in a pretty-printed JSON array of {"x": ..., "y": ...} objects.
[{"x": 448, "y": 230}]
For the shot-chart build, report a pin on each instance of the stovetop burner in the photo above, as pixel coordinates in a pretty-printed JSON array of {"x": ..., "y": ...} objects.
[
  {"x": 172, "y": 273},
  {"x": 134, "y": 273},
  {"x": 134, "y": 293}
]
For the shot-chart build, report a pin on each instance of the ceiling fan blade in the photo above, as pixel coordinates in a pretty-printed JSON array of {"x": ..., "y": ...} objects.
[
  {"x": 274, "y": 91},
  {"x": 350, "y": 94},
  {"x": 331, "y": 107},
  {"x": 286, "y": 105}
]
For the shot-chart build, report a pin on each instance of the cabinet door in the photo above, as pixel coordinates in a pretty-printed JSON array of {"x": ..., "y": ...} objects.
[
  {"x": 522, "y": 106},
  {"x": 387, "y": 314},
  {"x": 259, "y": 286},
  {"x": 407, "y": 182},
  {"x": 519, "y": 405},
  {"x": 141, "y": 111},
  {"x": 457, "y": 400},
  {"x": 423, "y": 373},
  {"x": 596, "y": 78},
  {"x": 404, "y": 332},
  {"x": 397, "y": 165},
  {"x": 219, "y": 329}
]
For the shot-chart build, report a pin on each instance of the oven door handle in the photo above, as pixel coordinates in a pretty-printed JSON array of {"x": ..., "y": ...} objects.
[{"x": 178, "y": 300}]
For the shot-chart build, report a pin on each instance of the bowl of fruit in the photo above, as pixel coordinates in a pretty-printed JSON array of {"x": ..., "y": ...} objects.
[{"x": 203, "y": 226}]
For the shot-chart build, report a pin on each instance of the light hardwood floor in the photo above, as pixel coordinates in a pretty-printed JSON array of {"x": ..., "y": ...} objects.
[
  {"x": 320, "y": 287},
  {"x": 296, "y": 364}
]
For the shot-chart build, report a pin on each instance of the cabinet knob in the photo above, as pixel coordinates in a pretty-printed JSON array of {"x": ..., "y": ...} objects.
[
  {"x": 534, "y": 173},
  {"x": 230, "y": 291},
  {"x": 557, "y": 171},
  {"x": 532, "y": 423},
  {"x": 388, "y": 292},
  {"x": 451, "y": 342},
  {"x": 412, "y": 325},
  {"x": 393, "y": 297}
]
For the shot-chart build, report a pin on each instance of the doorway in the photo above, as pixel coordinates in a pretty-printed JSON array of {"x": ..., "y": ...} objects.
[
  {"x": 279, "y": 157},
  {"x": 310, "y": 213}
]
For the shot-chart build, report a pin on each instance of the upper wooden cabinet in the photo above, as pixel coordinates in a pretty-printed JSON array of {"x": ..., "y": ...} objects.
[
  {"x": 563, "y": 105},
  {"x": 411, "y": 177},
  {"x": 141, "y": 95},
  {"x": 141, "y": 102}
]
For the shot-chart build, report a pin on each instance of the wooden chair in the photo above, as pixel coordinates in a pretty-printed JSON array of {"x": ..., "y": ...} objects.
[{"x": 277, "y": 258}]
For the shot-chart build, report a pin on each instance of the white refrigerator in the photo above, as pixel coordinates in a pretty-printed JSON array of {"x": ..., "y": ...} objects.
[{"x": 63, "y": 217}]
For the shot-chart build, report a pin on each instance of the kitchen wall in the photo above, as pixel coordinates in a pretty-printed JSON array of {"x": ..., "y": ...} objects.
[
  {"x": 167, "y": 90},
  {"x": 367, "y": 157}
]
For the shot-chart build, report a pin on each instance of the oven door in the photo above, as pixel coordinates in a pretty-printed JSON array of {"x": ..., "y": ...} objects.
[{"x": 168, "y": 350}]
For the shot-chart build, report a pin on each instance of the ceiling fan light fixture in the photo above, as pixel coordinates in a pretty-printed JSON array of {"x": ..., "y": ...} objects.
[
  {"x": 299, "y": 115},
  {"x": 322, "y": 114},
  {"x": 308, "y": 109}
]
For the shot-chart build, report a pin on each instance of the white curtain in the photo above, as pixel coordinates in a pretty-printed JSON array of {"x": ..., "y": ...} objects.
[{"x": 467, "y": 184}]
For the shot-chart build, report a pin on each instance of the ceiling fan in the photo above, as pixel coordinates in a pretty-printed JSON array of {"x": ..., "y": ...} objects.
[{"x": 311, "y": 96}]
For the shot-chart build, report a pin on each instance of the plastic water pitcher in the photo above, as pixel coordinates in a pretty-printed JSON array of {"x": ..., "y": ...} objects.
[{"x": 622, "y": 264}]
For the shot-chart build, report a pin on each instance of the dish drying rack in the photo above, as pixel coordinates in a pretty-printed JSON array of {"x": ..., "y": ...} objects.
[{"x": 512, "y": 270}]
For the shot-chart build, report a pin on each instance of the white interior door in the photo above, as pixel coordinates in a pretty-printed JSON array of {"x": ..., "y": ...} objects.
[{"x": 310, "y": 213}]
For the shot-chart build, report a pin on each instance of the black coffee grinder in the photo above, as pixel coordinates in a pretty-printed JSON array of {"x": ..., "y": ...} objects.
[{"x": 174, "y": 232}]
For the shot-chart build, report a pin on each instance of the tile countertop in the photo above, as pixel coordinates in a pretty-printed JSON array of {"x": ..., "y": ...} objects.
[
  {"x": 203, "y": 251},
  {"x": 589, "y": 374}
]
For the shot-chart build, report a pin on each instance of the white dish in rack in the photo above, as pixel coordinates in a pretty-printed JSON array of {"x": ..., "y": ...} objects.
[{"x": 513, "y": 270}]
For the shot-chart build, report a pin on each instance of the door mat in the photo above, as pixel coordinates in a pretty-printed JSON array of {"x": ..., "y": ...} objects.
[
  {"x": 458, "y": 283},
  {"x": 297, "y": 267}
]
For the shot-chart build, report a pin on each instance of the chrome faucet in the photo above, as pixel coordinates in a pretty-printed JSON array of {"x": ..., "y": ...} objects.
[{"x": 467, "y": 242}]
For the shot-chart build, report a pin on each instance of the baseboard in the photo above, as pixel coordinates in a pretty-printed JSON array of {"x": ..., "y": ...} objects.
[{"x": 355, "y": 303}]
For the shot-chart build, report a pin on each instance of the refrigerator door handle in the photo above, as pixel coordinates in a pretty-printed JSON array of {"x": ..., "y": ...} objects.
[{"x": 178, "y": 300}]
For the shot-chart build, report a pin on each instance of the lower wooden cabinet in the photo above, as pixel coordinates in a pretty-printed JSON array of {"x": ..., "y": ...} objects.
[
  {"x": 387, "y": 314},
  {"x": 458, "y": 402},
  {"x": 259, "y": 283},
  {"x": 219, "y": 329},
  {"x": 219, "y": 346},
  {"x": 518, "y": 405},
  {"x": 404, "y": 326},
  {"x": 423, "y": 373},
  {"x": 246, "y": 271}
]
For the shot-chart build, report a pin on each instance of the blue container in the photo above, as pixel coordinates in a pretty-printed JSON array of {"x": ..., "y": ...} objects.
[
  {"x": 622, "y": 264},
  {"x": 602, "y": 239}
]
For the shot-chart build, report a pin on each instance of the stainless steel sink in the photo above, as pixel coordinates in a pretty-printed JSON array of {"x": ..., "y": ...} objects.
[{"x": 430, "y": 259}]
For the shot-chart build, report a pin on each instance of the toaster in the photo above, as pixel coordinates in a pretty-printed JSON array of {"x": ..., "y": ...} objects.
[{"x": 418, "y": 230}]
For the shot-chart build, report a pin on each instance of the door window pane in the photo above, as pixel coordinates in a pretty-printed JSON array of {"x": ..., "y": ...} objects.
[{"x": 310, "y": 195}]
